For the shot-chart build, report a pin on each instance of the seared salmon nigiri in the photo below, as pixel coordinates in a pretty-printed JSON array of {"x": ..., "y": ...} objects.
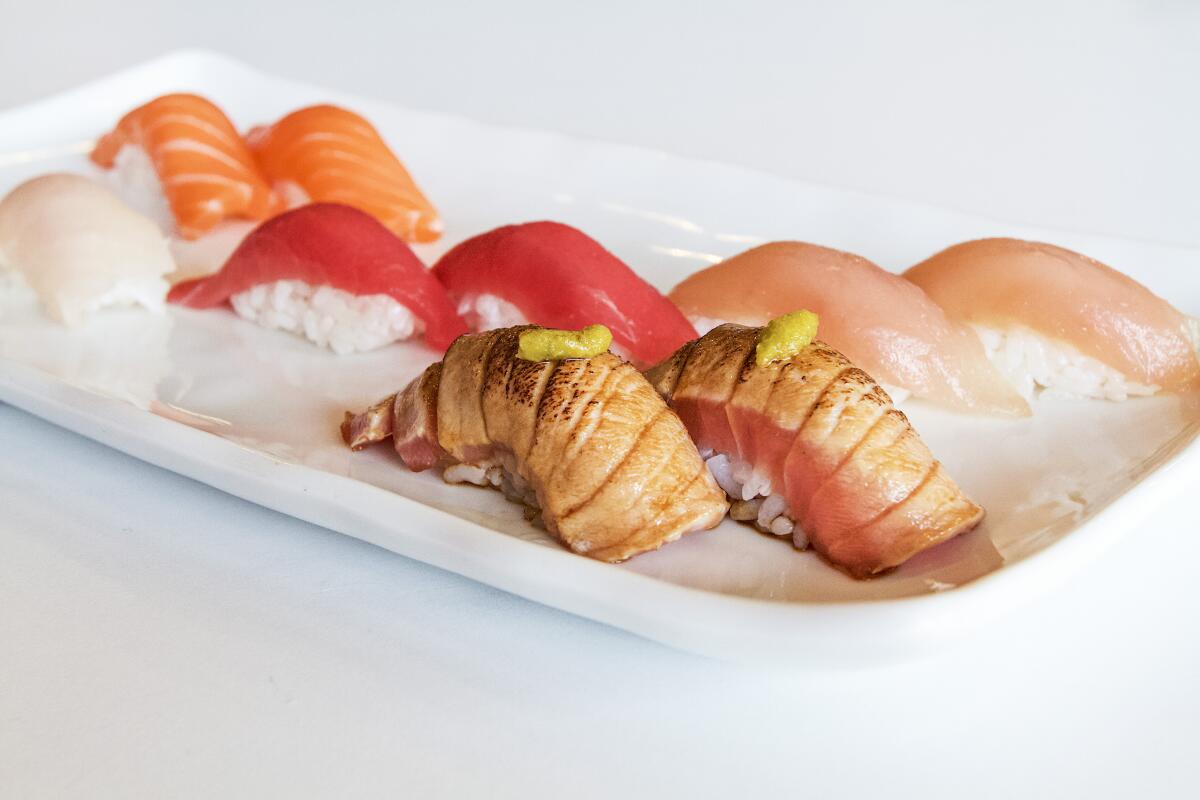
[
  {"x": 585, "y": 440},
  {"x": 1054, "y": 319},
  {"x": 333, "y": 155},
  {"x": 879, "y": 320},
  {"x": 203, "y": 167},
  {"x": 808, "y": 445}
]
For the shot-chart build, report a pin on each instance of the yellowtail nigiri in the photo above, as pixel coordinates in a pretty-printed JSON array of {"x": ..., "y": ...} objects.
[
  {"x": 1052, "y": 318},
  {"x": 882, "y": 323}
]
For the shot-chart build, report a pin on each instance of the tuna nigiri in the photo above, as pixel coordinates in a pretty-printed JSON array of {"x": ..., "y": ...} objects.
[
  {"x": 880, "y": 321},
  {"x": 80, "y": 248},
  {"x": 585, "y": 441},
  {"x": 809, "y": 446},
  {"x": 183, "y": 148},
  {"x": 333, "y": 274},
  {"x": 1054, "y": 319},
  {"x": 555, "y": 275},
  {"x": 330, "y": 154}
]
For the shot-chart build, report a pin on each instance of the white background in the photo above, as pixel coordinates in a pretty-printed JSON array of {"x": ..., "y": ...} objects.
[{"x": 158, "y": 638}]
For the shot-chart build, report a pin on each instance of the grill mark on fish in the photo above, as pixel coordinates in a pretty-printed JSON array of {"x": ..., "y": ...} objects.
[
  {"x": 780, "y": 377},
  {"x": 724, "y": 346},
  {"x": 484, "y": 361},
  {"x": 527, "y": 383},
  {"x": 691, "y": 350},
  {"x": 635, "y": 484},
  {"x": 577, "y": 438},
  {"x": 812, "y": 411},
  {"x": 460, "y": 401},
  {"x": 675, "y": 371},
  {"x": 502, "y": 343},
  {"x": 633, "y": 448},
  {"x": 661, "y": 507},
  {"x": 825, "y": 354},
  {"x": 826, "y": 413},
  {"x": 749, "y": 366},
  {"x": 540, "y": 413},
  {"x": 877, "y": 396},
  {"x": 933, "y": 468},
  {"x": 851, "y": 379},
  {"x": 747, "y": 363}
]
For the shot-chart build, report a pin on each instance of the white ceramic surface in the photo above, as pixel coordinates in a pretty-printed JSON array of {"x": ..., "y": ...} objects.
[{"x": 274, "y": 400}]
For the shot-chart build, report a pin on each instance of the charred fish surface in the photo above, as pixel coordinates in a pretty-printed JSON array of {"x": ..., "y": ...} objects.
[
  {"x": 587, "y": 441},
  {"x": 856, "y": 481}
]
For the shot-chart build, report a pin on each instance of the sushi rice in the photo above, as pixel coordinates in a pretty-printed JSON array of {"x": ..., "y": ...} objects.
[
  {"x": 136, "y": 182},
  {"x": 1033, "y": 363},
  {"x": 751, "y": 498},
  {"x": 329, "y": 317},
  {"x": 487, "y": 312},
  {"x": 499, "y": 475}
]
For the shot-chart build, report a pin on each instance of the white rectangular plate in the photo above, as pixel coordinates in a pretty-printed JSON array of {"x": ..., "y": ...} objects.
[{"x": 255, "y": 412}]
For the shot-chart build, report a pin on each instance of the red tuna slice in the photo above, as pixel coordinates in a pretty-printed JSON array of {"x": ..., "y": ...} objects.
[
  {"x": 560, "y": 277},
  {"x": 327, "y": 244}
]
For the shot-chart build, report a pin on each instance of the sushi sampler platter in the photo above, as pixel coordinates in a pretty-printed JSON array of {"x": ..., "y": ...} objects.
[{"x": 208, "y": 267}]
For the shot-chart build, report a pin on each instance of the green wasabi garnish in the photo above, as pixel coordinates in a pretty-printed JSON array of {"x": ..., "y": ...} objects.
[
  {"x": 785, "y": 336},
  {"x": 545, "y": 344}
]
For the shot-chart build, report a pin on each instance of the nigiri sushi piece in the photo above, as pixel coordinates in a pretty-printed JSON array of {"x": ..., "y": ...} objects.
[
  {"x": 1054, "y": 319},
  {"x": 883, "y": 323},
  {"x": 809, "y": 446},
  {"x": 330, "y": 154},
  {"x": 180, "y": 160},
  {"x": 334, "y": 274},
  {"x": 555, "y": 275},
  {"x": 585, "y": 441},
  {"x": 80, "y": 248}
]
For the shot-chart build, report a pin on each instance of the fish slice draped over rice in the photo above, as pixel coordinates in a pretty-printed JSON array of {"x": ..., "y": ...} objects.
[{"x": 585, "y": 441}]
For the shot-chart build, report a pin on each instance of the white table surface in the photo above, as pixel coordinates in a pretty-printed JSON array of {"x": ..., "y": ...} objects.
[{"x": 159, "y": 638}]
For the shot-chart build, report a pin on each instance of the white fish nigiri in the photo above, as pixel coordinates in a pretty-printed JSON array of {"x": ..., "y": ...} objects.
[{"x": 80, "y": 248}]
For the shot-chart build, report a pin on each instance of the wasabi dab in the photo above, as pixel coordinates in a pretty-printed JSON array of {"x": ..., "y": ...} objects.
[
  {"x": 785, "y": 336},
  {"x": 547, "y": 344}
]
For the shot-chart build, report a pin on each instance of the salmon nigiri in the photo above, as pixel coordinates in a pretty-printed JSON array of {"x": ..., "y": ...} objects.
[
  {"x": 555, "y": 275},
  {"x": 585, "y": 441},
  {"x": 334, "y": 274},
  {"x": 204, "y": 169},
  {"x": 880, "y": 321},
  {"x": 809, "y": 446},
  {"x": 333, "y": 155},
  {"x": 1054, "y": 319}
]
